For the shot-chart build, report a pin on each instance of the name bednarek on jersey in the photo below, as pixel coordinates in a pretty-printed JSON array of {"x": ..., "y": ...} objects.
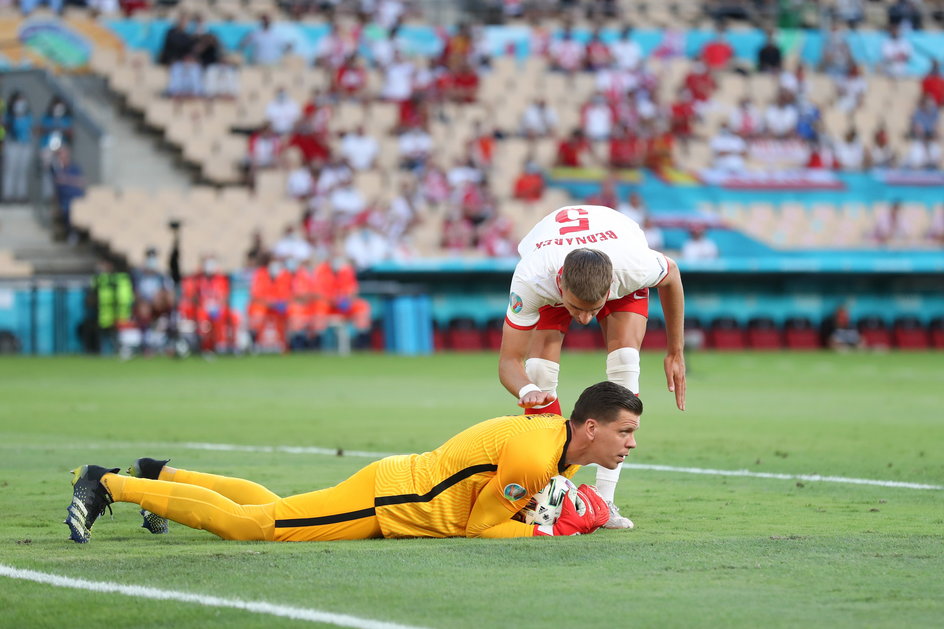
[{"x": 543, "y": 249}]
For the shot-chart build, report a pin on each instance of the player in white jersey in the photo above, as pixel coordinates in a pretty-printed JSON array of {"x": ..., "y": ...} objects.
[{"x": 577, "y": 263}]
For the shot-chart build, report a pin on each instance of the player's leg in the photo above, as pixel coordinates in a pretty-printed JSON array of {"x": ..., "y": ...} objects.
[
  {"x": 239, "y": 490},
  {"x": 543, "y": 363},
  {"x": 624, "y": 327},
  {"x": 343, "y": 512},
  {"x": 194, "y": 506}
]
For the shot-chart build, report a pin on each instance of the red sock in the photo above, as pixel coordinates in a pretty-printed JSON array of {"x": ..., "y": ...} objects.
[{"x": 553, "y": 407}]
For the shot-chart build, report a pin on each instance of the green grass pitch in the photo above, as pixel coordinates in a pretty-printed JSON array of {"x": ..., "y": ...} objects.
[{"x": 708, "y": 550}]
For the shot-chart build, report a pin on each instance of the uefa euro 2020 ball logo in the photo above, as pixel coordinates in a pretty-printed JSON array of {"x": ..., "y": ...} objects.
[{"x": 516, "y": 303}]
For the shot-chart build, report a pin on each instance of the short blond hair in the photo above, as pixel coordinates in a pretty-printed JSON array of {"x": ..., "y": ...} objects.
[{"x": 587, "y": 273}]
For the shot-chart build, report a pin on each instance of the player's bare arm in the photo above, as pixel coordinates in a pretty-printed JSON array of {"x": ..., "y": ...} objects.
[
  {"x": 511, "y": 371},
  {"x": 672, "y": 297}
]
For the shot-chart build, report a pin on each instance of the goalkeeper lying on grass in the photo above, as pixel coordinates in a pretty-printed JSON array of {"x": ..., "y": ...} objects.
[{"x": 471, "y": 486}]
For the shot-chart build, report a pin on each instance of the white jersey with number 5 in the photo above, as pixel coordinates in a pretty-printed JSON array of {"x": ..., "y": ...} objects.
[{"x": 543, "y": 249}]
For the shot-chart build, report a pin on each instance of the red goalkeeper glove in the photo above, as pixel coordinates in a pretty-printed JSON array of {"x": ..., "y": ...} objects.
[{"x": 595, "y": 514}]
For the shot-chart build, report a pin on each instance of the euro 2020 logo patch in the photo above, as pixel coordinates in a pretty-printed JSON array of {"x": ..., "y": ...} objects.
[
  {"x": 514, "y": 492},
  {"x": 516, "y": 303}
]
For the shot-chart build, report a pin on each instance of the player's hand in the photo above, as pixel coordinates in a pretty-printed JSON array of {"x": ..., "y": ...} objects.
[
  {"x": 674, "y": 364},
  {"x": 536, "y": 398},
  {"x": 596, "y": 513}
]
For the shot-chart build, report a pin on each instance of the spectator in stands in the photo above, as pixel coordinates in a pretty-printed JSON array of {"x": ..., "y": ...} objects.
[
  {"x": 346, "y": 201},
  {"x": 683, "y": 116},
  {"x": 309, "y": 140},
  {"x": 69, "y": 185},
  {"x": 896, "y": 53},
  {"x": 936, "y": 228},
  {"x": 633, "y": 207},
  {"x": 398, "y": 79},
  {"x": 850, "y": 89},
  {"x": 291, "y": 246},
  {"x": 17, "y": 147},
  {"x": 335, "y": 48},
  {"x": 256, "y": 250},
  {"x": 809, "y": 120},
  {"x": 923, "y": 152},
  {"x": 365, "y": 246},
  {"x": 332, "y": 174},
  {"x": 627, "y": 54},
  {"x": 598, "y": 54},
  {"x": 413, "y": 112},
  {"x": 567, "y": 54},
  {"x": 185, "y": 78},
  {"x": 698, "y": 247},
  {"x": 266, "y": 46},
  {"x": 890, "y": 227},
  {"x": 300, "y": 183},
  {"x": 905, "y": 14},
  {"x": 781, "y": 117},
  {"x": 404, "y": 213},
  {"x": 607, "y": 195},
  {"x": 529, "y": 185},
  {"x": 178, "y": 42},
  {"x": 265, "y": 151},
  {"x": 574, "y": 151},
  {"x": 481, "y": 146},
  {"x": 728, "y": 150},
  {"x": 463, "y": 84},
  {"x": 653, "y": 233},
  {"x": 597, "y": 118},
  {"x": 793, "y": 81},
  {"x": 415, "y": 146},
  {"x": 850, "y": 154},
  {"x": 746, "y": 120},
  {"x": 350, "y": 79},
  {"x": 933, "y": 84},
  {"x": 55, "y": 130},
  {"x": 837, "y": 57},
  {"x": 359, "y": 149},
  {"x": 717, "y": 53},
  {"x": 881, "y": 154},
  {"x": 701, "y": 83},
  {"x": 625, "y": 149},
  {"x": 283, "y": 112},
  {"x": 205, "y": 300},
  {"x": 496, "y": 237},
  {"x": 841, "y": 335},
  {"x": 769, "y": 57},
  {"x": 220, "y": 71},
  {"x": 317, "y": 112},
  {"x": 852, "y": 12},
  {"x": 821, "y": 154},
  {"x": 539, "y": 120},
  {"x": 925, "y": 117},
  {"x": 458, "y": 233}
]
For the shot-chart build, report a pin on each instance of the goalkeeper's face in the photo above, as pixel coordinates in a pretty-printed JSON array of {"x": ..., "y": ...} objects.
[{"x": 612, "y": 441}]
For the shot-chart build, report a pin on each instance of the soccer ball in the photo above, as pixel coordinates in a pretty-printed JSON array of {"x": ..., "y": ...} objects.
[{"x": 545, "y": 506}]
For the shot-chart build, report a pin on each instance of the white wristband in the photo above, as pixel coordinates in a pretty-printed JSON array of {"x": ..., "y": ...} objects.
[{"x": 528, "y": 388}]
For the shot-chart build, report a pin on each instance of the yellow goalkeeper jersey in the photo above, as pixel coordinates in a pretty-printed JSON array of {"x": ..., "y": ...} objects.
[{"x": 474, "y": 483}]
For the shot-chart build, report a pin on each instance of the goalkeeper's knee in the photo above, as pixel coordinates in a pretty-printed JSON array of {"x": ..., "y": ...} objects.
[{"x": 622, "y": 367}]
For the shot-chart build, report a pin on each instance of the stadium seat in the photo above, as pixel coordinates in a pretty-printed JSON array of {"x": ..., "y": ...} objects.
[
  {"x": 799, "y": 333},
  {"x": 874, "y": 332},
  {"x": 908, "y": 333},
  {"x": 763, "y": 333},
  {"x": 464, "y": 335},
  {"x": 655, "y": 338},
  {"x": 726, "y": 334},
  {"x": 936, "y": 330}
]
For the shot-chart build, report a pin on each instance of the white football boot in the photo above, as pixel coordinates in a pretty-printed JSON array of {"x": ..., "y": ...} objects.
[{"x": 616, "y": 520}]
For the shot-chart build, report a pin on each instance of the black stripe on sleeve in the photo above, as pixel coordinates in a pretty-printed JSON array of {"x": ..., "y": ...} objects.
[
  {"x": 326, "y": 519},
  {"x": 458, "y": 477}
]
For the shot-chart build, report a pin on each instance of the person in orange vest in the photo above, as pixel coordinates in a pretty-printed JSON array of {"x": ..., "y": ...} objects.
[
  {"x": 269, "y": 295},
  {"x": 205, "y": 301},
  {"x": 336, "y": 282},
  {"x": 303, "y": 307}
]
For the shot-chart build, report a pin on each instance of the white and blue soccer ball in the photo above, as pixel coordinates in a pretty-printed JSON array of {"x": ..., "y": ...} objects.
[{"x": 545, "y": 506}]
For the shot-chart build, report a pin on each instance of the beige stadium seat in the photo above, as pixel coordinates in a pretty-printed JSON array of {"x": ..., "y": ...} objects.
[
  {"x": 917, "y": 218},
  {"x": 10, "y": 267}
]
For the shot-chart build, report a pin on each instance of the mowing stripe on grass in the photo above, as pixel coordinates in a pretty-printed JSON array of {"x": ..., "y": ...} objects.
[
  {"x": 230, "y": 447},
  {"x": 635, "y": 466},
  {"x": 142, "y": 591}
]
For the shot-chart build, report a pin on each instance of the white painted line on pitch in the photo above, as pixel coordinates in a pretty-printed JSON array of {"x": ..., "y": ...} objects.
[
  {"x": 142, "y": 591},
  {"x": 228, "y": 447}
]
